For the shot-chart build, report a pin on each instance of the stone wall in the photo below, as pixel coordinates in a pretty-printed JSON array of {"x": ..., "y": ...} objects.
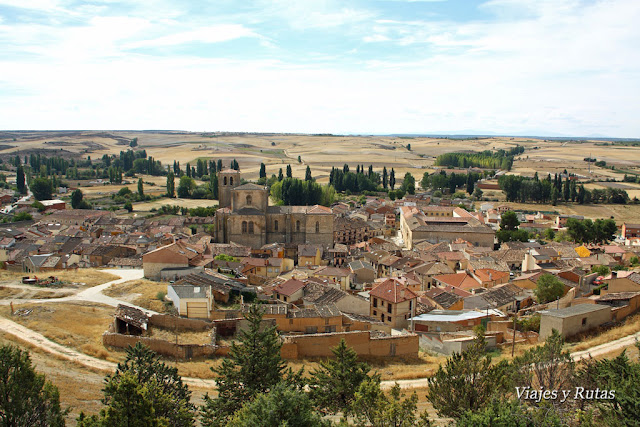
[
  {"x": 320, "y": 345},
  {"x": 163, "y": 347},
  {"x": 179, "y": 323}
]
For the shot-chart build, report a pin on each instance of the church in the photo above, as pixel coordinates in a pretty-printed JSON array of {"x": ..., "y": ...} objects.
[{"x": 245, "y": 217}]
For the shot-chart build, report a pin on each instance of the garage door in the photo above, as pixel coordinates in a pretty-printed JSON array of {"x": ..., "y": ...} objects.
[{"x": 198, "y": 310}]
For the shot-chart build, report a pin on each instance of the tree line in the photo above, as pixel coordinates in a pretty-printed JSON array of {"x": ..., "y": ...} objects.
[
  {"x": 500, "y": 159},
  {"x": 554, "y": 189}
]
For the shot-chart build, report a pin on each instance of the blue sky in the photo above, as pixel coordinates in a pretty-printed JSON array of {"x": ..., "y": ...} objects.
[{"x": 541, "y": 67}]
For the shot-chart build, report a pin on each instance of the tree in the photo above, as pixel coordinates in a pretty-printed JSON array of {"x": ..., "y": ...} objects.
[
  {"x": 282, "y": 406},
  {"x": 263, "y": 170},
  {"x": 549, "y": 233},
  {"x": 186, "y": 187},
  {"x": 470, "y": 184},
  {"x": 128, "y": 206},
  {"x": 373, "y": 408},
  {"x": 253, "y": 366},
  {"x": 144, "y": 392},
  {"x": 547, "y": 367},
  {"x": 333, "y": 385},
  {"x": 26, "y": 397},
  {"x": 133, "y": 143},
  {"x": 409, "y": 147},
  {"x": 307, "y": 175},
  {"x": 509, "y": 221},
  {"x": 20, "y": 181},
  {"x": 140, "y": 188},
  {"x": 385, "y": 178},
  {"x": 548, "y": 288},
  {"x": 392, "y": 179},
  {"x": 299, "y": 159},
  {"x": 41, "y": 189},
  {"x": 477, "y": 193},
  {"x": 468, "y": 381},
  {"x": 280, "y": 175},
  {"x": 171, "y": 185},
  {"x": 76, "y": 198},
  {"x": 289, "y": 172}
]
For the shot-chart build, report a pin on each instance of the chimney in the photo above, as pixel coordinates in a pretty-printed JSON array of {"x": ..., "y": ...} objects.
[{"x": 614, "y": 274}]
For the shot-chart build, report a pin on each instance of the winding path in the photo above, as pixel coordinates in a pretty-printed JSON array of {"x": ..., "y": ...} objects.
[{"x": 94, "y": 294}]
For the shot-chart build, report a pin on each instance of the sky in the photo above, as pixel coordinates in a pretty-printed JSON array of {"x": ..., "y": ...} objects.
[{"x": 511, "y": 67}]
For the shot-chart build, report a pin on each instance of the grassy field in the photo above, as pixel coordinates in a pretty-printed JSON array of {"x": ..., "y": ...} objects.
[
  {"x": 142, "y": 292},
  {"x": 78, "y": 325},
  {"x": 83, "y": 277}
]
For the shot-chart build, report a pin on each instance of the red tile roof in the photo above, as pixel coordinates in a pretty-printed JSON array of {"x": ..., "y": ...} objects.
[
  {"x": 392, "y": 291},
  {"x": 289, "y": 287}
]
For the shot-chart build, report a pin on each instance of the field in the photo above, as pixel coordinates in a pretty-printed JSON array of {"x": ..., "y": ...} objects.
[
  {"x": 322, "y": 152},
  {"x": 85, "y": 277},
  {"x": 142, "y": 293}
]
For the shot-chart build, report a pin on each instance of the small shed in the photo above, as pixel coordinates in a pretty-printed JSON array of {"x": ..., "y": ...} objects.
[
  {"x": 130, "y": 320},
  {"x": 573, "y": 320}
]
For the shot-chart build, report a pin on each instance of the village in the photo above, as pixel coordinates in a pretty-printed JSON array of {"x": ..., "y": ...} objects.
[{"x": 391, "y": 278}]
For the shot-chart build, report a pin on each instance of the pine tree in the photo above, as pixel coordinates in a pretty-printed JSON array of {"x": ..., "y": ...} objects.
[
  {"x": 252, "y": 367},
  {"x": 307, "y": 175},
  {"x": 263, "y": 170},
  {"x": 171, "y": 185},
  {"x": 333, "y": 385},
  {"x": 392, "y": 179},
  {"x": 289, "y": 173},
  {"x": 188, "y": 170},
  {"x": 385, "y": 178},
  {"x": 26, "y": 397},
  {"x": 140, "y": 189},
  {"x": 219, "y": 165},
  {"x": 280, "y": 175},
  {"x": 20, "y": 182},
  {"x": 470, "y": 184}
]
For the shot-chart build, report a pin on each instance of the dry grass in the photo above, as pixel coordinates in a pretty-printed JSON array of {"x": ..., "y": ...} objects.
[
  {"x": 75, "y": 325},
  {"x": 621, "y": 213},
  {"x": 7, "y": 292},
  {"x": 182, "y": 337},
  {"x": 581, "y": 342},
  {"x": 140, "y": 292},
  {"x": 187, "y": 203},
  {"x": 80, "y": 389},
  {"x": 84, "y": 277}
]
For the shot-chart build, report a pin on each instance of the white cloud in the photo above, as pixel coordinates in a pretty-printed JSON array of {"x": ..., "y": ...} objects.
[
  {"x": 210, "y": 34},
  {"x": 573, "y": 73}
]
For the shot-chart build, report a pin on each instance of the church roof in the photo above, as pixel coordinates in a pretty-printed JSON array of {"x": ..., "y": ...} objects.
[{"x": 249, "y": 186}]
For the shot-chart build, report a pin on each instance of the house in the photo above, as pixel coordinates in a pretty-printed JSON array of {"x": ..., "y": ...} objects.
[
  {"x": 503, "y": 297},
  {"x": 392, "y": 303},
  {"x": 452, "y": 320},
  {"x": 622, "y": 304},
  {"x": 489, "y": 277},
  {"x": 309, "y": 255},
  {"x": 290, "y": 291},
  {"x": 630, "y": 283},
  {"x": 416, "y": 225},
  {"x": 457, "y": 280},
  {"x": 573, "y": 320},
  {"x": 176, "y": 255},
  {"x": 337, "y": 275},
  {"x": 191, "y": 301},
  {"x": 630, "y": 230},
  {"x": 428, "y": 270},
  {"x": 443, "y": 299},
  {"x": 316, "y": 294},
  {"x": 58, "y": 205},
  {"x": 561, "y": 220},
  {"x": 363, "y": 271}
]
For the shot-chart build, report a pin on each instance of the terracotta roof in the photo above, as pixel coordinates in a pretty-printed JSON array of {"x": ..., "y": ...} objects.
[
  {"x": 392, "y": 291},
  {"x": 488, "y": 274},
  {"x": 458, "y": 280},
  {"x": 289, "y": 287}
]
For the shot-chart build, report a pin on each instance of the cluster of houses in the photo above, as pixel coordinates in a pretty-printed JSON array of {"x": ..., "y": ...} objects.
[{"x": 394, "y": 267}]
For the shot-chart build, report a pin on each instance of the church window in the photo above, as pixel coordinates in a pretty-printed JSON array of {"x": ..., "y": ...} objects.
[
  {"x": 249, "y": 199},
  {"x": 298, "y": 226},
  {"x": 225, "y": 180},
  {"x": 275, "y": 225},
  {"x": 250, "y": 227},
  {"x": 244, "y": 226},
  {"x": 231, "y": 181},
  {"x": 317, "y": 227}
]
